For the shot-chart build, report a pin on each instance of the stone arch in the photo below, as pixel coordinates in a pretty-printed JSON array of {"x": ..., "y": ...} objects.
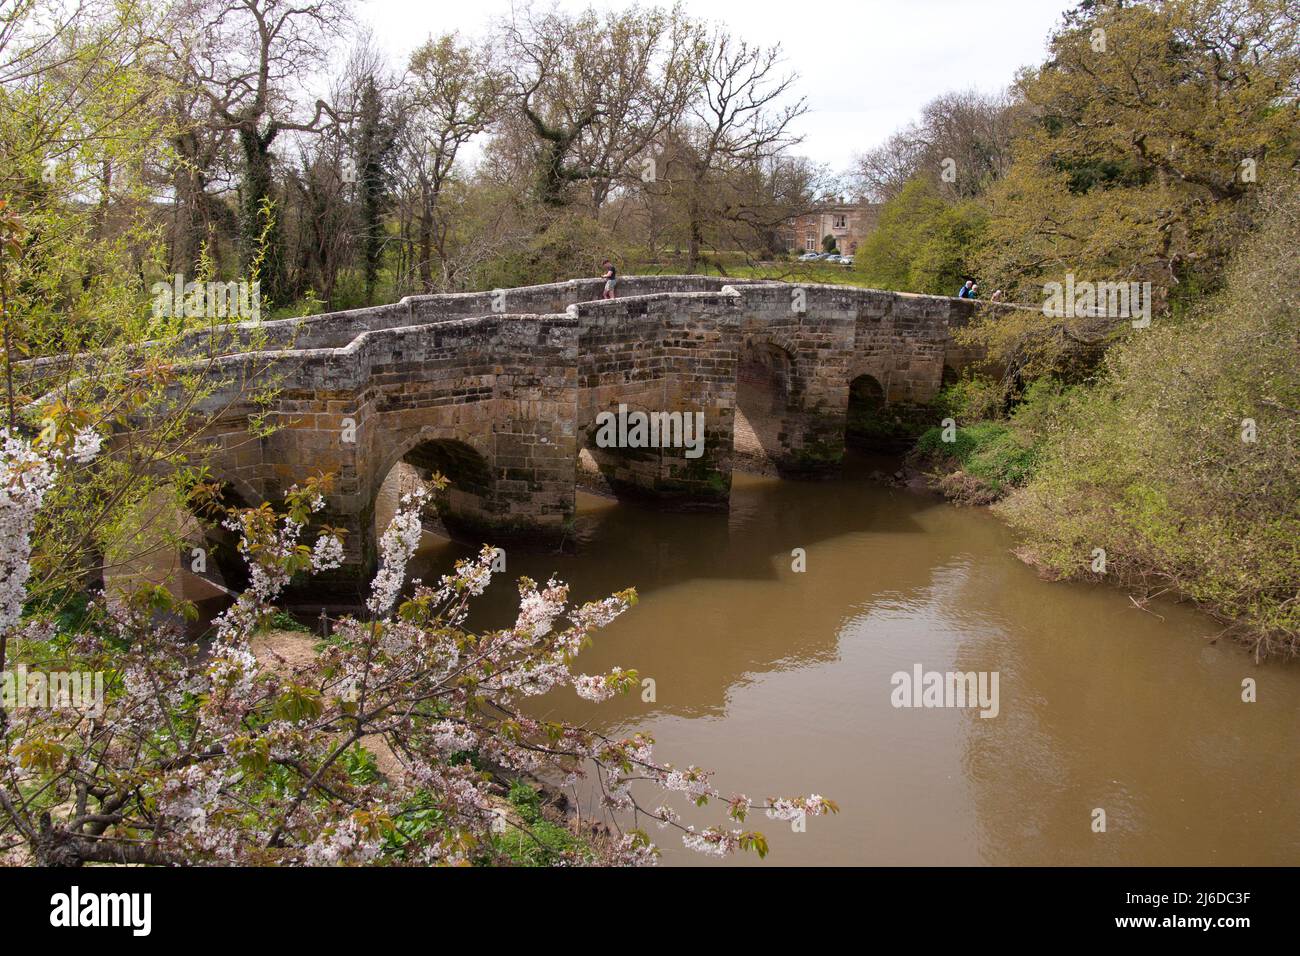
[
  {"x": 767, "y": 388},
  {"x": 606, "y": 470},
  {"x": 465, "y": 506},
  {"x": 240, "y": 493},
  {"x": 866, "y": 403},
  {"x": 873, "y": 423},
  {"x": 226, "y": 567},
  {"x": 629, "y": 473},
  {"x": 866, "y": 388},
  {"x": 780, "y": 340}
]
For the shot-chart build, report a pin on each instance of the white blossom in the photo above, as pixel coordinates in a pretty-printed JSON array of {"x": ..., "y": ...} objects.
[{"x": 327, "y": 553}]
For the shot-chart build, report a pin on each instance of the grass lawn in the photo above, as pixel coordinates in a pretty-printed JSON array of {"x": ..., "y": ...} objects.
[{"x": 826, "y": 273}]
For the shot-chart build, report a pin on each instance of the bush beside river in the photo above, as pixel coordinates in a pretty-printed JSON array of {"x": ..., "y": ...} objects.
[{"x": 1177, "y": 458}]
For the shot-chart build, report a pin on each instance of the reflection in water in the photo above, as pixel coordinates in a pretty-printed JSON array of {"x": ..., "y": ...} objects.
[{"x": 780, "y": 681}]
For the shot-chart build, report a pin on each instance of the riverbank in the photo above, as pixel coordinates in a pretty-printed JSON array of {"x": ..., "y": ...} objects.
[{"x": 987, "y": 466}]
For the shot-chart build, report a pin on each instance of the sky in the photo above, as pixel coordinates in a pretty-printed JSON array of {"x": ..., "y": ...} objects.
[{"x": 866, "y": 67}]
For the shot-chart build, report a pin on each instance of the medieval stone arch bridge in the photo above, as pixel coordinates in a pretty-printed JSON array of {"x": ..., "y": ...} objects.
[{"x": 501, "y": 390}]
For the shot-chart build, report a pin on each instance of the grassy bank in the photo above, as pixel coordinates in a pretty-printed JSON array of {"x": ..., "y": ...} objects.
[{"x": 986, "y": 452}]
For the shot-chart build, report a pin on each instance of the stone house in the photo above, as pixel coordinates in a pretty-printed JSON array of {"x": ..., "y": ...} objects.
[{"x": 849, "y": 223}]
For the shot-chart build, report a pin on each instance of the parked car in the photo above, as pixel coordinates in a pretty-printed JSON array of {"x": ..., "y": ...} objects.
[
  {"x": 846, "y": 260},
  {"x": 833, "y": 257},
  {"x": 809, "y": 256}
]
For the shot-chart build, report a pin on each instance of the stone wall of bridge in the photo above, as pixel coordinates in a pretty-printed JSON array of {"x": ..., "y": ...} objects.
[
  {"x": 504, "y": 403},
  {"x": 487, "y": 401}
]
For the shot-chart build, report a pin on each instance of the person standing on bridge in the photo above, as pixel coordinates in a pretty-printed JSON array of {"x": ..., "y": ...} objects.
[
  {"x": 611, "y": 280},
  {"x": 967, "y": 290}
]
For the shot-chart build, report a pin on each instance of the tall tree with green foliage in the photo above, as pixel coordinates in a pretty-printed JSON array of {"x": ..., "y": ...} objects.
[
  {"x": 922, "y": 243},
  {"x": 1149, "y": 127},
  {"x": 1181, "y": 463},
  {"x": 376, "y": 141}
]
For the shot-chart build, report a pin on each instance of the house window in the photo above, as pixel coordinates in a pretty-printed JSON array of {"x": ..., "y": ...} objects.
[
  {"x": 841, "y": 222},
  {"x": 810, "y": 242}
]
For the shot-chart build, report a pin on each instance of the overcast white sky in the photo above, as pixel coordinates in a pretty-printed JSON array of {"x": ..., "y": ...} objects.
[{"x": 866, "y": 66}]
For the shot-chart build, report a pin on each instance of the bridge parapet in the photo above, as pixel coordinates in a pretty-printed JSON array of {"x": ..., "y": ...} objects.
[{"x": 502, "y": 391}]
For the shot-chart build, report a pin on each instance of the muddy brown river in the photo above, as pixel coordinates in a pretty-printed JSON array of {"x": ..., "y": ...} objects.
[{"x": 782, "y": 682}]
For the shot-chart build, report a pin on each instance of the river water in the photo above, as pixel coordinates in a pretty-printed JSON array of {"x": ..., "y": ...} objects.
[{"x": 780, "y": 681}]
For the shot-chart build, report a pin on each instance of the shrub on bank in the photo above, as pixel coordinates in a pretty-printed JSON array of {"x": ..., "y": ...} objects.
[
  {"x": 1181, "y": 463},
  {"x": 983, "y": 461},
  {"x": 973, "y": 398}
]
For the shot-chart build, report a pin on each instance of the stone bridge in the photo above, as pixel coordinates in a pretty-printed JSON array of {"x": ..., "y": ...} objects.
[{"x": 500, "y": 391}]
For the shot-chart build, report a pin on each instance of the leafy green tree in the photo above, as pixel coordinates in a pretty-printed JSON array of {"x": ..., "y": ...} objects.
[
  {"x": 922, "y": 243},
  {"x": 1150, "y": 126}
]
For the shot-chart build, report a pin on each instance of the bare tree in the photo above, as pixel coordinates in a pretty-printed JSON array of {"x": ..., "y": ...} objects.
[
  {"x": 321, "y": 214},
  {"x": 197, "y": 169},
  {"x": 881, "y": 173},
  {"x": 738, "y": 123},
  {"x": 452, "y": 94},
  {"x": 962, "y": 140},
  {"x": 597, "y": 90},
  {"x": 248, "y": 57}
]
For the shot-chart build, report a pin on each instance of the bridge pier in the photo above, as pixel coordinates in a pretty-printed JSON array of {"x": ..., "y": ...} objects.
[{"x": 673, "y": 361}]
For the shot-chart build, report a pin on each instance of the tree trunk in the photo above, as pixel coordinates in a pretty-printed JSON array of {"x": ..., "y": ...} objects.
[{"x": 424, "y": 232}]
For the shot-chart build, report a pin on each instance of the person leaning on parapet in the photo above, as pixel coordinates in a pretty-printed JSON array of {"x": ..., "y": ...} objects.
[
  {"x": 611, "y": 280},
  {"x": 967, "y": 291}
]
